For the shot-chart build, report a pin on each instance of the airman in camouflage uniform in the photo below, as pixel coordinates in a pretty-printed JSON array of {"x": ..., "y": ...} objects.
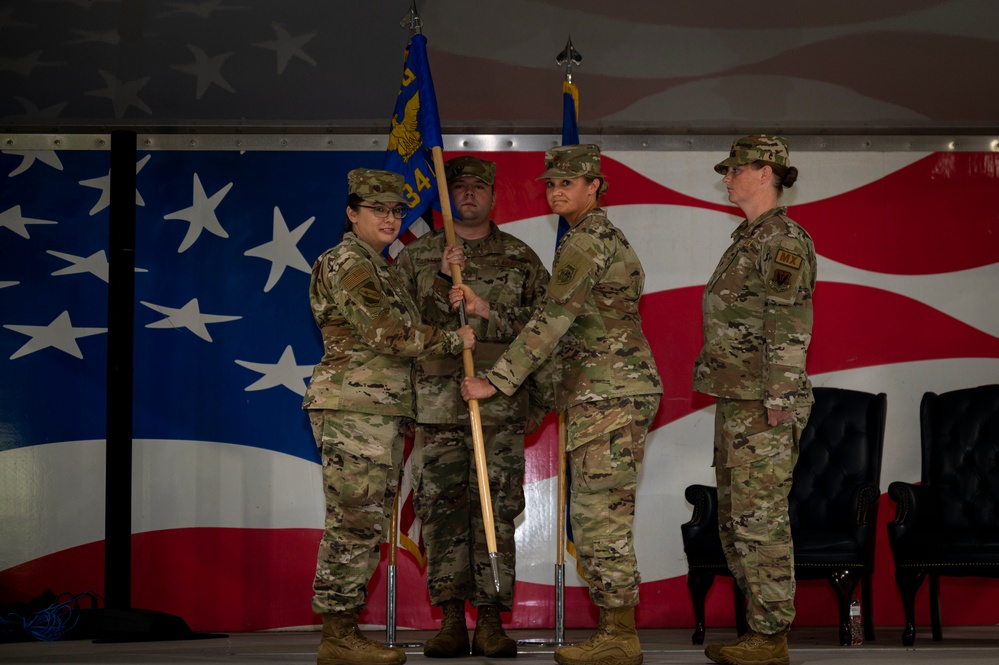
[
  {"x": 359, "y": 401},
  {"x": 757, "y": 321},
  {"x": 609, "y": 387},
  {"x": 510, "y": 276}
]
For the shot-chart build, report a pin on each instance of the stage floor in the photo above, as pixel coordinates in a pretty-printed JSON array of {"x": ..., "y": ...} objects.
[{"x": 960, "y": 646}]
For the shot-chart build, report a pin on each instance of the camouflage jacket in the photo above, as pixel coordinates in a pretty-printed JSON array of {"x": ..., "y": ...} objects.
[
  {"x": 757, "y": 312},
  {"x": 371, "y": 331},
  {"x": 590, "y": 316},
  {"x": 510, "y": 276}
]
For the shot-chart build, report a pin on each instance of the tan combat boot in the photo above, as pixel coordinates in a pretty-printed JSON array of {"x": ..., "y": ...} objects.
[
  {"x": 489, "y": 638},
  {"x": 614, "y": 643},
  {"x": 712, "y": 650},
  {"x": 344, "y": 644},
  {"x": 757, "y": 649},
  {"x": 452, "y": 639}
]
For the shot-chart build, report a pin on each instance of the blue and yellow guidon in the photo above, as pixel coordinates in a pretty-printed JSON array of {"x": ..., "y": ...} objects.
[{"x": 415, "y": 131}]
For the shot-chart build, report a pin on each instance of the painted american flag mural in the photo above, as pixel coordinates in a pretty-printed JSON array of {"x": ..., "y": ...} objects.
[{"x": 227, "y": 501}]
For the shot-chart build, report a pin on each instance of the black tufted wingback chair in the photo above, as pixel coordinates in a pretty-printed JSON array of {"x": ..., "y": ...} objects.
[
  {"x": 833, "y": 508},
  {"x": 949, "y": 523}
]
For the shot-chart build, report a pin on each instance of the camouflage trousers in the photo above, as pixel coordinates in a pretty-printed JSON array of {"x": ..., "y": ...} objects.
[
  {"x": 362, "y": 456},
  {"x": 606, "y": 446},
  {"x": 446, "y": 499},
  {"x": 754, "y": 462}
]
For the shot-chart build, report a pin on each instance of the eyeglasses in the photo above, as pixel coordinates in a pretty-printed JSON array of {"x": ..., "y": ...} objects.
[{"x": 381, "y": 212}]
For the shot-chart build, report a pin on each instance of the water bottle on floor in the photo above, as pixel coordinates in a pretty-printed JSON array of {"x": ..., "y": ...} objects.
[{"x": 856, "y": 623}]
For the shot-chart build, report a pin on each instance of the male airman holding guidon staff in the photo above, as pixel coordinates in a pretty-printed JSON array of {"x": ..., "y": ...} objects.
[{"x": 512, "y": 280}]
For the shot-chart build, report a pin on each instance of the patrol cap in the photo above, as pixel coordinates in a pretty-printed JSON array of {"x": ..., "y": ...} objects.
[
  {"x": 378, "y": 186},
  {"x": 574, "y": 161},
  {"x": 765, "y": 147},
  {"x": 469, "y": 165}
]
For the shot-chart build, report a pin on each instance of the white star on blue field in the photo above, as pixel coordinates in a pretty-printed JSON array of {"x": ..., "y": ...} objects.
[{"x": 223, "y": 336}]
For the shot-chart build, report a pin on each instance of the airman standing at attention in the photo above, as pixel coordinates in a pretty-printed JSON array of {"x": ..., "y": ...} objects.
[{"x": 757, "y": 321}]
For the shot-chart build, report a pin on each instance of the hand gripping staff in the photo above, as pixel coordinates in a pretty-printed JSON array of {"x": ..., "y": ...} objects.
[{"x": 473, "y": 405}]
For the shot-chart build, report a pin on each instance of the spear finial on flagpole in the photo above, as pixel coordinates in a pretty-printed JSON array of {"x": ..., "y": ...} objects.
[
  {"x": 412, "y": 21},
  {"x": 567, "y": 58}
]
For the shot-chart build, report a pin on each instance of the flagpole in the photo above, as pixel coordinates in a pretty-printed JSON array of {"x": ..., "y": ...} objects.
[
  {"x": 415, "y": 24},
  {"x": 567, "y": 58},
  {"x": 478, "y": 444},
  {"x": 563, "y": 438},
  {"x": 390, "y": 594}
]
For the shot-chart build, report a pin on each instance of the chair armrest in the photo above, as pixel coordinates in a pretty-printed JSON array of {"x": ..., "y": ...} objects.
[
  {"x": 910, "y": 500},
  {"x": 864, "y": 501},
  {"x": 705, "y": 502},
  {"x": 702, "y": 529}
]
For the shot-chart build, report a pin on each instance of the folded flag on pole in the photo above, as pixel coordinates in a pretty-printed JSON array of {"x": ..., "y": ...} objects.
[
  {"x": 570, "y": 133},
  {"x": 415, "y": 130},
  {"x": 570, "y": 136}
]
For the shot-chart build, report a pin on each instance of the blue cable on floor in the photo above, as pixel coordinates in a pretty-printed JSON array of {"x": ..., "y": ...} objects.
[{"x": 45, "y": 625}]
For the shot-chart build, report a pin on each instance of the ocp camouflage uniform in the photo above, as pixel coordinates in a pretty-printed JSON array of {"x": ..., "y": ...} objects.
[
  {"x": 609, "y": 388},
  {"x": 359, "y": 401},
  {"x": 757, "y": 311},
  {"x": 509, "y": 275}
]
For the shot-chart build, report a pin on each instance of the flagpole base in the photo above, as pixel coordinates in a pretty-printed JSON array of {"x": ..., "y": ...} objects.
[{"x": 390, "y": 615}]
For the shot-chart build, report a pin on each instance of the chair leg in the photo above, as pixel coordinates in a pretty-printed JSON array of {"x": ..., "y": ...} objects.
[
  {"x": 845, "y": 583},
  {"x": 908, "y": 582},
  {"x": 935, "y": 608},
  {"x": 699, "y": 583},
  {"x": 741, "y": 625},
  {"x": 867, "y": 603}
]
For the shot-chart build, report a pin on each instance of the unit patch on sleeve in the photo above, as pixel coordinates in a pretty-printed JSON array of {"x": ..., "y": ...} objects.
[
  {"x": 780, "y": 280},
  {"x": 572, "y": 267}
]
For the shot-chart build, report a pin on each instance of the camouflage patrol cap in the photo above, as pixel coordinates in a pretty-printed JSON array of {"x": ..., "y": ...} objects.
[
  {"x": 377, "y": 186},
  {"x": 469, "y": 165},
  {"x": 574, "y": 161},
  {"x": 766, "y": 147}
]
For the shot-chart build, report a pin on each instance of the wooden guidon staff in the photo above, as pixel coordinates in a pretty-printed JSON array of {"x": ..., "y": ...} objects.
[{"x": 473, "y": 405}]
